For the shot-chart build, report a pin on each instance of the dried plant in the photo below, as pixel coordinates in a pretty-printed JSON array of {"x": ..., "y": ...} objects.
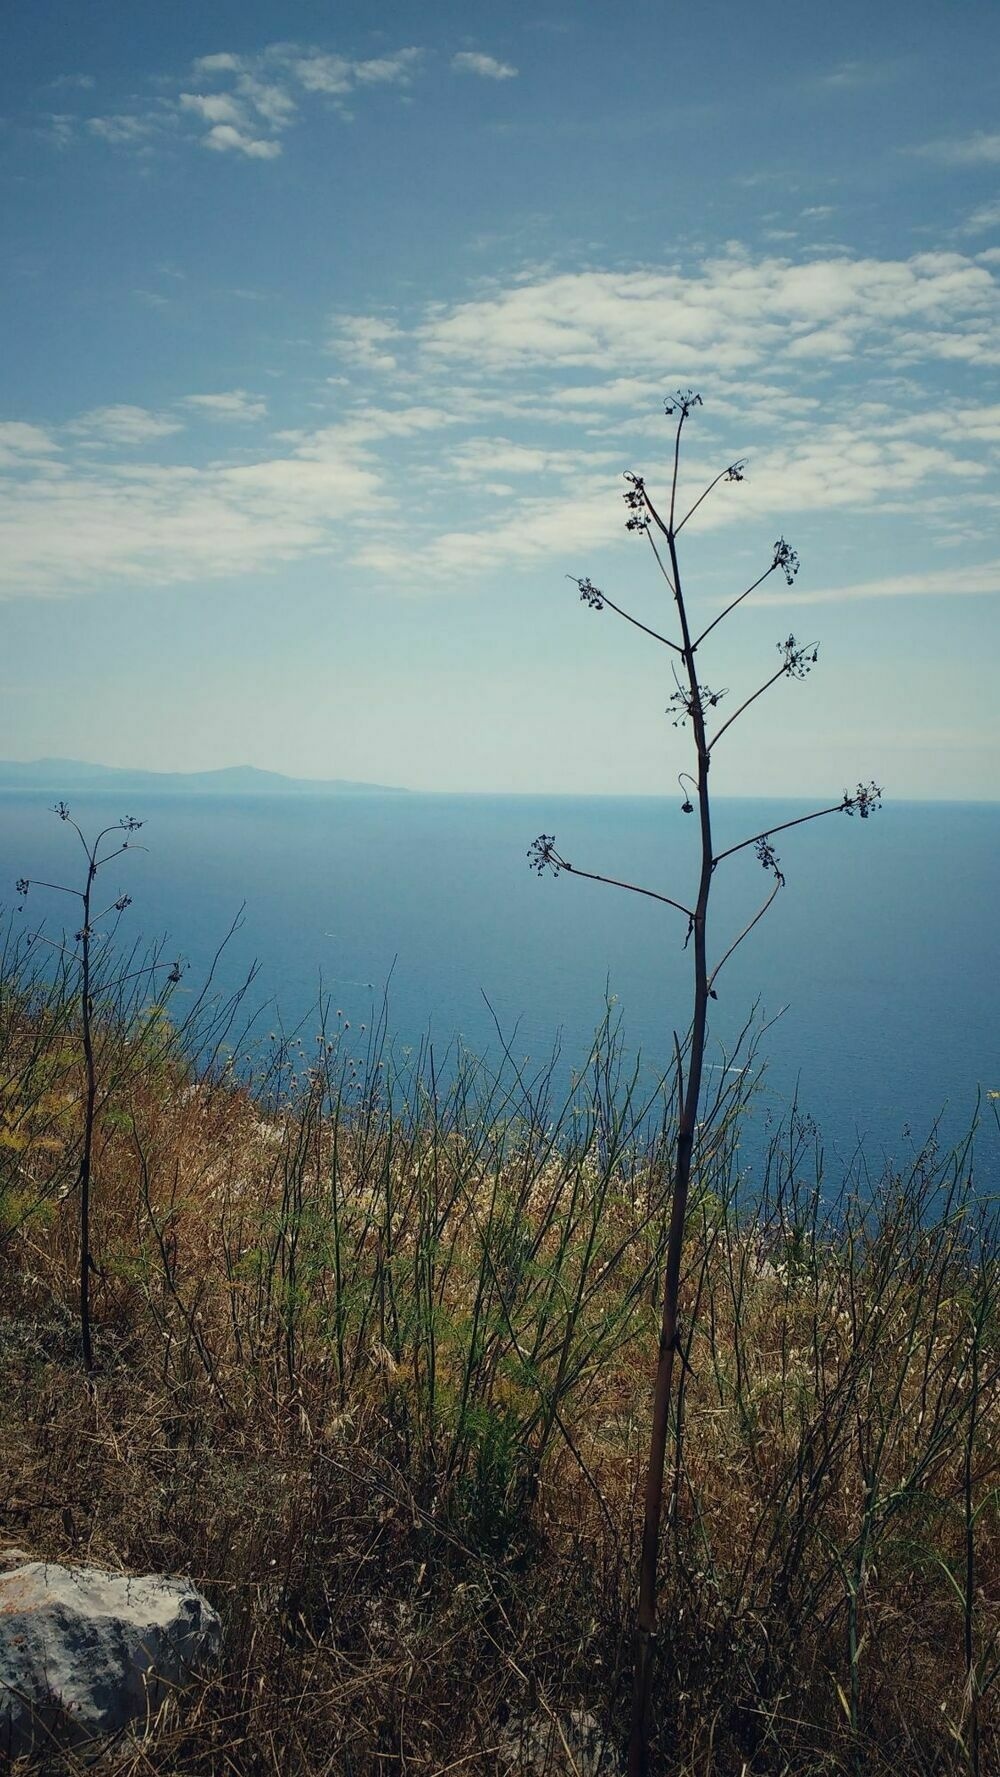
[
  {"x": 118, "y": 838},
  {"x": 692, "y": 703}
]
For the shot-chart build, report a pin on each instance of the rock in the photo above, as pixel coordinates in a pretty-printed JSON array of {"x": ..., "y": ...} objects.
[
  {"x": 569, "y": 1745},
  {"x": 83, "y": 1653}
]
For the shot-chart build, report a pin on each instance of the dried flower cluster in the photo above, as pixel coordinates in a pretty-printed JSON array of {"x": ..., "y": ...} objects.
[
  {"x": 786, "y": 559},
  {"x": 683, "y": 701},
  {"x": 767, "y": 856},
  {"x": 798, "y": 660},
  {"x": 589, "y": 593},
  {"x": 635, "y": 500},
  {"x": 681, "y": 403},
  {"x": 542, "y": 855},
  {"x": 864, "y": 800}
]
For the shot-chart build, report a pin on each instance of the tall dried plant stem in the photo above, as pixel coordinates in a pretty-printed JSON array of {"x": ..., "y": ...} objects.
[
  {"x": 84, "y": 938},
  {"x": 692, "y": 701},
  {"x": 90, "y": 1109},
  {"x": 645, "y": 1634}
]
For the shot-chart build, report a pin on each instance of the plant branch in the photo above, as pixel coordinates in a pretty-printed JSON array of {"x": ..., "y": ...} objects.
[
  {"x": 747, "y": 929},
  {"x": 654, "y": 515},
  {"x": 677, "y": 460},
  {"x": 60, "y": 887},
  {"x": 780, "y": 674},
  {"x": 846, "y": 807},
  {"x": 542, "y": 855},
  {"x": 732, "y": 472},
  {"x": 733, "y": 604},
  {"x": 99, "y": 863},
  {"x": 662, "y": 567},
  {"x": 598, "y": 598},
  {"x": 632, "y": 887},
  {"x": 797, "y": 661}
]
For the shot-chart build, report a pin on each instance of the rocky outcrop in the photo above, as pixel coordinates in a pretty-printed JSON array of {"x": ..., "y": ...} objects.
[
  {"x": 85, "y": 1654},
  {"x": 546, "y": 1745}
]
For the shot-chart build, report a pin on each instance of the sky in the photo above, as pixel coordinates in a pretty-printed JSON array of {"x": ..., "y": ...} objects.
[{"x": 330, "y": 330}]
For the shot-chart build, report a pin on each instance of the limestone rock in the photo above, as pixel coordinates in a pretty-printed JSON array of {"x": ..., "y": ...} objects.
[
  {"x": 569, "y": 1745},
  {"x": 85, "y": 1654}
]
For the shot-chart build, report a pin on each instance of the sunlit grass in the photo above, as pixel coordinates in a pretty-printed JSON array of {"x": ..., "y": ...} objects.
[{"x": 374, "y": 1350}]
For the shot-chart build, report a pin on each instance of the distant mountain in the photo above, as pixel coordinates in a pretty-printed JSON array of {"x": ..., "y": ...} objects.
[{"x": 61, "y": 777}]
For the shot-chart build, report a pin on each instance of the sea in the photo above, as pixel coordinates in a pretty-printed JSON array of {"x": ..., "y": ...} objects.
[{"x": 872, "y": 981}]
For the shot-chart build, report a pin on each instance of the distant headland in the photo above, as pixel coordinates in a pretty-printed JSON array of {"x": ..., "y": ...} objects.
[{"x": 62, "y": 777}]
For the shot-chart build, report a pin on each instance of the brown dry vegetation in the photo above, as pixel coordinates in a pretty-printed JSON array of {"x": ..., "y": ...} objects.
[{"x": 373, "y": 1366}]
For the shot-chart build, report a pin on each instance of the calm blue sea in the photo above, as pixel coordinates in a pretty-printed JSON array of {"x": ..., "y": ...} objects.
[{"x": 879, "y": 962}]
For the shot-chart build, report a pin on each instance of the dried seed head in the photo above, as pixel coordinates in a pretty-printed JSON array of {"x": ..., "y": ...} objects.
[
  {"x": 864, "y": 801},
  {"x": 542, "y": 855},
  {"x": 798, "y": 659},
  {"x": 635, "y": 500},
  {"x": 681, "y": 403},
  {"x": 589, "y": 593},
  {"x": 768, "y": 857},
  {"x": 786, "y": 559}
]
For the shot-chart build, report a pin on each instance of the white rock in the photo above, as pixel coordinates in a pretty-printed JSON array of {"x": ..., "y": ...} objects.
[
  {"x": 570, "y": 1745},
  {"x": 84, "y": 1653}
]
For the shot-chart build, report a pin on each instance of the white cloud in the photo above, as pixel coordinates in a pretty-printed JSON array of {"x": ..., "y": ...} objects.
[
  {"x": 124, "y": 129},
  {"x": 728, "y": 315},
  {"x": 366, "y": 340},
  {"x": 394, "y": 70},
  {"x": 124, "y": 424},
  {"x": 261, "y": 99},
  {"x": 498, "y": 438},
  {"x": 366, "y": 423},
  {"x": 574, "y": 503},
  {"x": 377, "y": 481},
  {"x": 960, "y": 582},
  {"x": 320, "y": 73},
  {"x": 270, "y": 101},
  {"x": 586, "y": 350},
  {"x": 254, "y": 98},
  {"x": 217, "y": 64},
  {"x": 963, "y": 151},
  {"x": 225, "y": 138},
  {"x": 153, "y": 524},
  {"x": 22, "y": 445},
  {"x": 853, "y": 76},
  {"x": 59, "y": 128},
  {"x": 482, "y": 457},
  {"x": 470, "y": 62},
  {"x": 233, "y": 404},
  {"x": 214, "y": 107},
  {"x": 337, "y": 76},
  {"x": 232, "y": 124},
  {"x": 823, "y": 342},
  {"x": 533, "y": 529},
  {"x": 987, "y": 216},
  {"x": 862, "y": 465}
]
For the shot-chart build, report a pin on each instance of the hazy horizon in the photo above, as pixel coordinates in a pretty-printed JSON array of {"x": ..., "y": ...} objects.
[{"x": 498, "y": 791}]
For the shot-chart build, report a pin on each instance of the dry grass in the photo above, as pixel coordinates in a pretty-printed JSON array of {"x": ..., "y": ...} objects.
[{"x": 373, "y": 1367}]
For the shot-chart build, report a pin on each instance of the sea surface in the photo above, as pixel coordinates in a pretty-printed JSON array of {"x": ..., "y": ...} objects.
[{"x": 876, "y": 971}]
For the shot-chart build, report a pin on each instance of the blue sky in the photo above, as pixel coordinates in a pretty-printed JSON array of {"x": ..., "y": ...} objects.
[{"x": 327, "y": 342}]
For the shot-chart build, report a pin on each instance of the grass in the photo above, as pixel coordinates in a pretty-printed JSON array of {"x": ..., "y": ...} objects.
[{"x": 374, "y": 1355}]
